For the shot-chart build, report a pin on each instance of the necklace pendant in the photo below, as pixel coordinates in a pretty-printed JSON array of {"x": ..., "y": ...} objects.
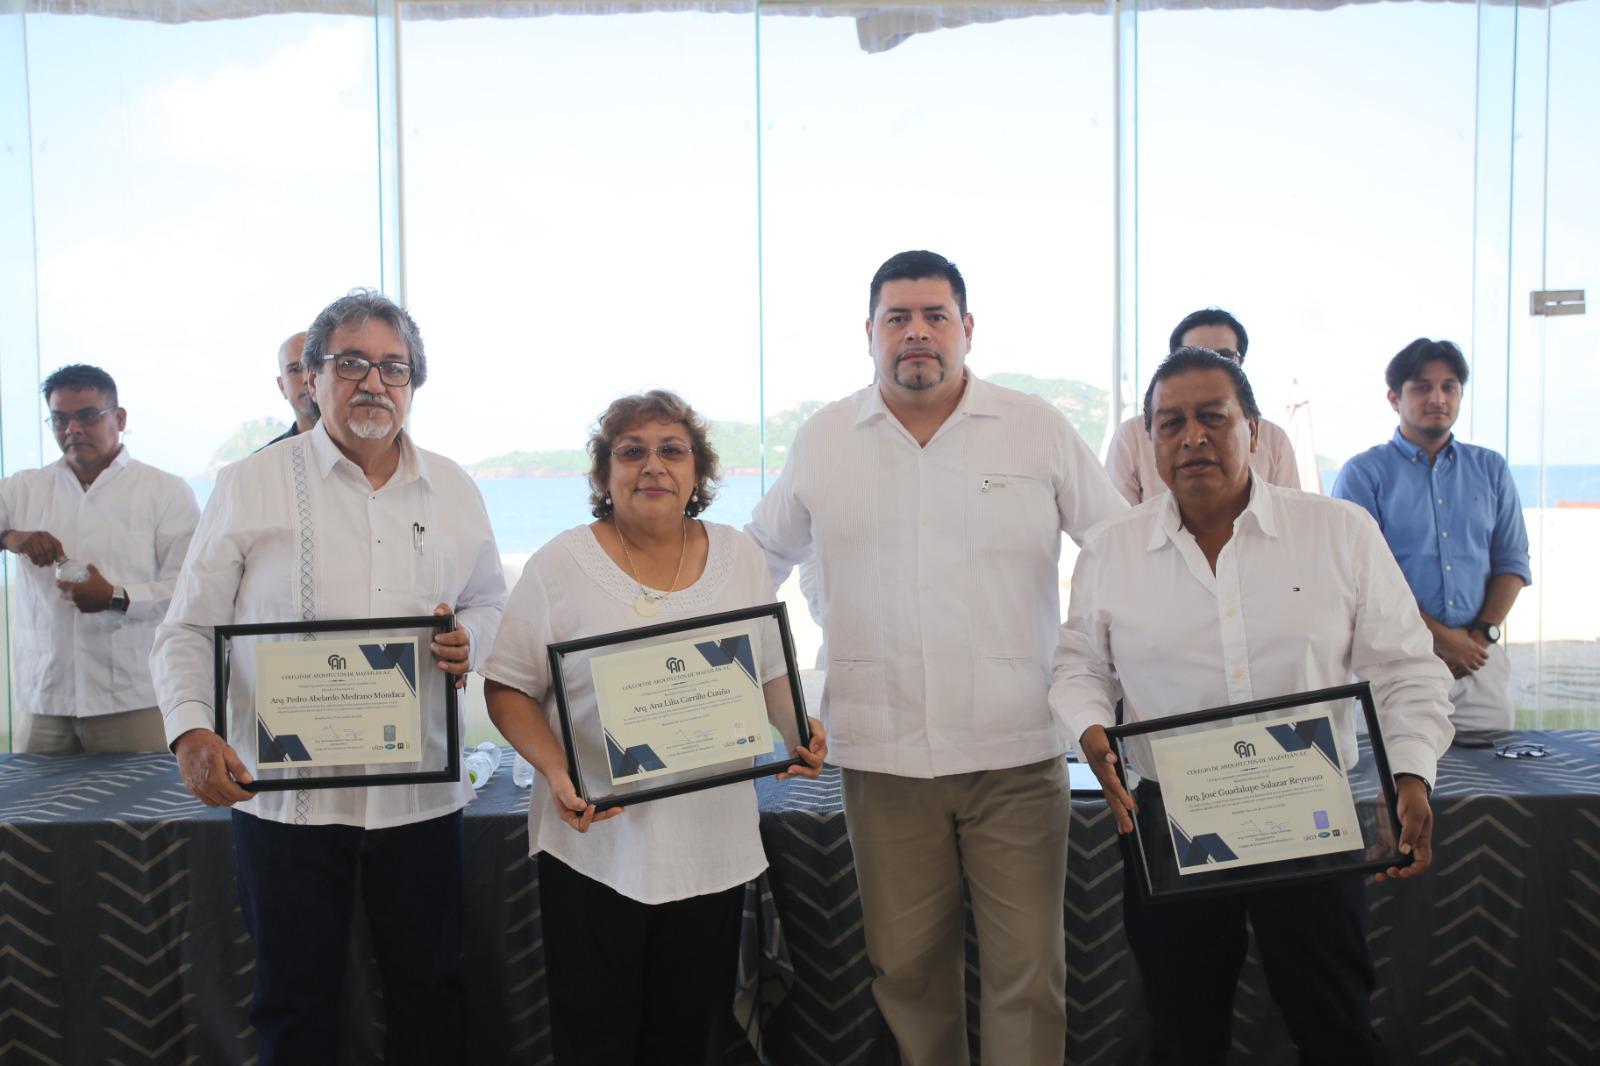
[{"x": 646, "y": 606}]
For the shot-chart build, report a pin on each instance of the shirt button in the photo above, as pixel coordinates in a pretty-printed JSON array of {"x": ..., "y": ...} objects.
[
  {"x": 1451, "y": 602},
  {"x": 1238, "y": 672},
  {"x": 1447, "y": 566},
  {"x": 1446, "y": 533},
  {"x": 1231, "y": 612},
  {"x": 1441, "y": 499}
]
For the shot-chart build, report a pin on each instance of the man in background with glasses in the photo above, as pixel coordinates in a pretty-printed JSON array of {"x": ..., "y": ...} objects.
[
  {"x": 1130, "y": 458},
  {"x": 294, "y": 382},
  {"x": 100, "y": 538},
  {"x": 348, "y": 521}
]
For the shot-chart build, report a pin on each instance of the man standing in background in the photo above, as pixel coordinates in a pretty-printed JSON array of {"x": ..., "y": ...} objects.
[
  {"x": 81, "y": 646},
  {"x": 1453, "y": 521},
  {"x": 295, "y": 385},
  {"x": 1131, "y": 458}
]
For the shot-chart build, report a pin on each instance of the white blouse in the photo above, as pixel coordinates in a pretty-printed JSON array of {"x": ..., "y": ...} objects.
[{"x": 665, "y": 849}]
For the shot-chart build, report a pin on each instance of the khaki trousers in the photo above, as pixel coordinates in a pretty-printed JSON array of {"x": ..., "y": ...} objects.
[
  {"x": 65, "y": 734},
  {"x": 1482, "y": 699},
  {"x": 914, "y": 840}
]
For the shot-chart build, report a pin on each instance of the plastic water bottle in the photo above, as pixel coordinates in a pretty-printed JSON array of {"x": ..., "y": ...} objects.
[
  {"x": 482, "y": 762},
  {"x": 71, "y": 571},
  {"x": 522, "y": 772}
]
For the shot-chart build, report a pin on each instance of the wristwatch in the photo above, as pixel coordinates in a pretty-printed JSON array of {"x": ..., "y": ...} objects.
[
  {"x": 1490, "y": 631},
  {"x": 119, "y": 600}
]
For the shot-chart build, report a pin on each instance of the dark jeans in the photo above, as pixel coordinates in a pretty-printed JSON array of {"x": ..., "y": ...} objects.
[
  {"x": 1312, "y": 942},
  {"x": 636, "y": 984},
  {"x": 296, "y": 891}
]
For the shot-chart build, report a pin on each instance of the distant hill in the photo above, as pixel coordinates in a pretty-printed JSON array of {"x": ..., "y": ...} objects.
[
  {"x": 533, "y": 464},
  {"x": 1085, "y": 406},
  {"x": 245, "y": 440},
  {"x": 738, "y": 449},
  {"x": 738, "y": 444}
]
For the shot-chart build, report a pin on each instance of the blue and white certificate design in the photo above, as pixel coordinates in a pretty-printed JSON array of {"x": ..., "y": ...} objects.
[
  {"x": 681, "y": 705},
  {"x": 337, "y": 702},
  {"x": 1256, "y": 792}
]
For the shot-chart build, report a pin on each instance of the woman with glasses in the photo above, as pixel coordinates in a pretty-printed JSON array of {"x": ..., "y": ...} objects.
[{"x": 641, "y": 906}]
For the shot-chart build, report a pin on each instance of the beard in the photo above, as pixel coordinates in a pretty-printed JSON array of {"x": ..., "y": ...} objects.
[
  {"x": 919, "y": 374},
  {"x": 371, "y": 428}
]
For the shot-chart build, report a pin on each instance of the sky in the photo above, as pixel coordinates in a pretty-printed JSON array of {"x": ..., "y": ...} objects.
[{"x": 597, "y": 204}]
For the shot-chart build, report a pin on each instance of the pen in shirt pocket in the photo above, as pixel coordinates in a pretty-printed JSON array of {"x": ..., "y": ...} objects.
[{"x": 418, "y": 536}]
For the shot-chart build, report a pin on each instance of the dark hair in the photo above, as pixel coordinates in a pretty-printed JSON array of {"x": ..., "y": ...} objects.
[
  {"x": 909, "y": 266},
  {"x": 355, "y": 308},
  {"x": 1186, "y": 359},
  {"x": 657, "y": 405},
  {"x": 1418, "y": 354},
  {"x": 80, "y": 376},
  {"x": 1209, "y": 316}
]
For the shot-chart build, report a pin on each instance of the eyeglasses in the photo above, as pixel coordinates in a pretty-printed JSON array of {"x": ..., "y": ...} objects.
[
  {"x": 85, "y": 417},
  {"x": 354, "y": 368},
  {"x": 670, "y": 452},
  {"x": 1522, "y": 751}
]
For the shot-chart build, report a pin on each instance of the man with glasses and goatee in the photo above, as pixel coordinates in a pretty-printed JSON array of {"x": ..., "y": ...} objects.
[
  {"x": 100, "y": 538},
  {"x": 349, "y": 520}
]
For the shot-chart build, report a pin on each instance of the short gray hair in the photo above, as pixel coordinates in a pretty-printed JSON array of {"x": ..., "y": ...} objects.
[{"x": 355, "y": 308}]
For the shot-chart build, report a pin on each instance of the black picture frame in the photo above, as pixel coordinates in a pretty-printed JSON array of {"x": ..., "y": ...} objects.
[
  {"x": 1152, "y": 849},
  {"x": 559, "y": 652},
  {"x": 221, "y": 651}
]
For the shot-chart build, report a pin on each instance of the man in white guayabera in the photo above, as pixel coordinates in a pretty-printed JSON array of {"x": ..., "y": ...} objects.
[
  {"x": 350, "y": 520},
  {"x": 934, "y": 502},
  {"x": 100, "y": 537}
]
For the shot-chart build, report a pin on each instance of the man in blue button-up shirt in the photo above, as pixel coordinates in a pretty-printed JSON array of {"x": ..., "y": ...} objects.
[{"x": 1451, "y": 516}]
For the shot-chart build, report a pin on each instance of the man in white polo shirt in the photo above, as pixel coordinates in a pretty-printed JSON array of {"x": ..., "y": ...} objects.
[
  {"x": 934, "y": 502},
  {"x": 82, "y": 639}
]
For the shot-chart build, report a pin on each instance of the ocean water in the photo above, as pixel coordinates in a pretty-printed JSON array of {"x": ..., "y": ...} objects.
[{"x": 527, "y": 512}]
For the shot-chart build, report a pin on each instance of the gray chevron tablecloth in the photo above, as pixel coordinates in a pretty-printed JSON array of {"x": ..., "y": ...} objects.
[{"x": 120, "y": 939}]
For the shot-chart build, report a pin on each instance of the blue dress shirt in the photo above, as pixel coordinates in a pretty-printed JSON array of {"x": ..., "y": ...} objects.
[{"x": 1452, "y": 524}]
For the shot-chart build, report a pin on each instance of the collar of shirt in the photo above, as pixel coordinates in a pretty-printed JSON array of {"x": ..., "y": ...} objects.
[
  {"x": 1257, "y": 512},
  {"x": 413, "y": 465},
  {"x": 118, "y": 464},
  {"x": 1418, "y": 454}
]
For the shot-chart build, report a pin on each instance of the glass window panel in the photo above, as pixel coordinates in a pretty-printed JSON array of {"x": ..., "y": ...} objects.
[
  {"x": 1324, "y": 202},
  {"x": 580, "y": 224},
  {"x": 201, "y": 191},
  {"x": 990, "y": 144}
]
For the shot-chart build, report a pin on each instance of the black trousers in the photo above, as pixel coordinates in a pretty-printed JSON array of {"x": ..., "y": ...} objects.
[
  {"x": 1313, "y": 947},
  {"x": 296, "y": 892},
  {"x": 636, "y": 984}
]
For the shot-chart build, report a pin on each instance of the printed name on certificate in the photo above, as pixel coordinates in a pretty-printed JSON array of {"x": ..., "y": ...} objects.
[
  {"x": 337, "y": 702},
  {"x": 681, "y": 705},
  {"x": 1256, "y": 792}
]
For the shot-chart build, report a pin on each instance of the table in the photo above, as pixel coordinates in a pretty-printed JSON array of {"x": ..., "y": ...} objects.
[{"x": 120, "y": 937}]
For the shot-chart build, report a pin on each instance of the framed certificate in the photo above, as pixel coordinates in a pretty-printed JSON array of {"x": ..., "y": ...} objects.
[
  {"x": 337, "y": 703},
  {"x": 1258, "y": 794},
  {"x": 678, "y": 707}
]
